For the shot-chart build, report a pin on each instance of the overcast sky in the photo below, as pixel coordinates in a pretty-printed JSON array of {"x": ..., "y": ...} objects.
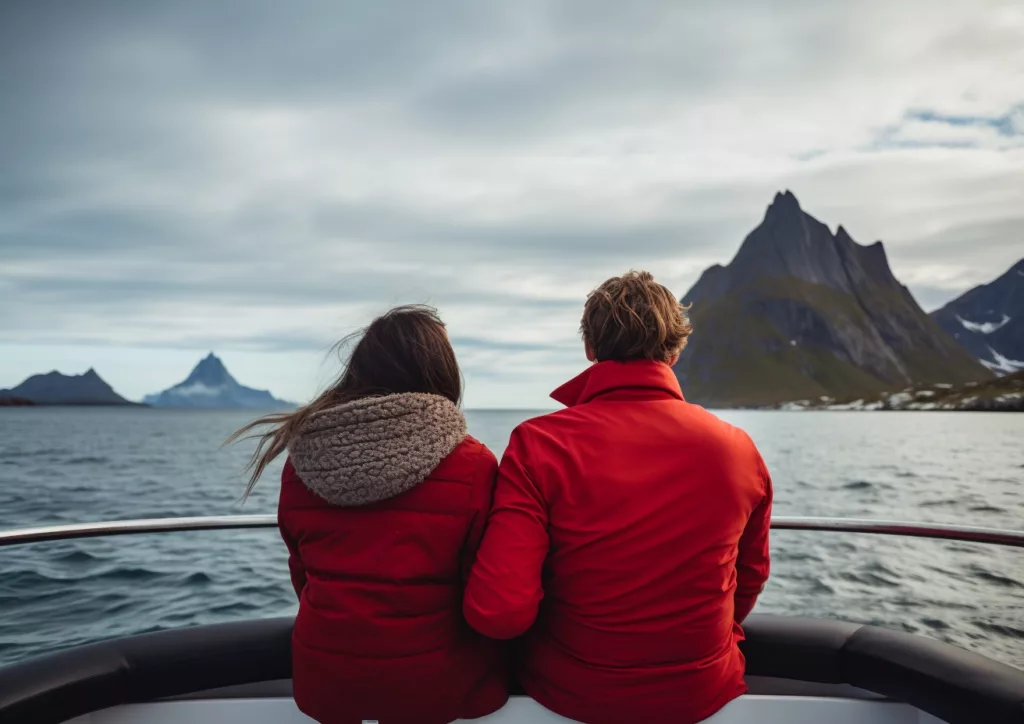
[{"x": 259, "y": 178}]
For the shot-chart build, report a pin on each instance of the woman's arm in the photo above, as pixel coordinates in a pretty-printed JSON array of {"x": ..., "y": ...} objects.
[
  {"x": 298, "y": 572},
  {"x": 483, "y": 496}
]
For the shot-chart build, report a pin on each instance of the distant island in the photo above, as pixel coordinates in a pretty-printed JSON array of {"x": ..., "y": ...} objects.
[
  {"x": 55, "y": 388},
  {"x": 211, "y": 386}
]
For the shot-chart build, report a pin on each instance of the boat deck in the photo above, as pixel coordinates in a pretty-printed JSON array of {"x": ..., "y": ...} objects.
[{"x": 761, "y": 709}]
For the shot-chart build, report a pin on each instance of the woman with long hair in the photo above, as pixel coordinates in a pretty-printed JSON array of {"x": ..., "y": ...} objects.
[{"x": 383, "y": 502}]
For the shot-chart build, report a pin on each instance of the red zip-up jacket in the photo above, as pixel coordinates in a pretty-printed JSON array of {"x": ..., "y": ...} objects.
[{"x": 628, "y": 539}]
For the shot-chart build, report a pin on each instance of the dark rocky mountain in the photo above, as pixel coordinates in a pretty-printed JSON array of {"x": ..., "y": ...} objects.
[
  {"x": 210, "y": 385},
  {"x": 801, "y": 313},
  {"x": 54, "y": 388},
  {"x": 989, "y": 321}
]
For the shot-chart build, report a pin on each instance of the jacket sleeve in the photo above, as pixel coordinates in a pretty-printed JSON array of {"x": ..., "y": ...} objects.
[
  {"x": 752, "y": 562},
  {"x": 295, "y": 567},
  {"x": 504, "y": 588},
  {"x": 483, "y": 495}
]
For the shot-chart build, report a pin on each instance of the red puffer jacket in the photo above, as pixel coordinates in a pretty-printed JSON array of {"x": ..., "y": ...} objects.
[
  {"x": 631, "y": 532},
  {"x": 382, "y": 507}
]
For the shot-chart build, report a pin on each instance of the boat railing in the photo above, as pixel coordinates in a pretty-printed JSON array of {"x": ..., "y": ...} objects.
[{"x": 971, "y": 534}]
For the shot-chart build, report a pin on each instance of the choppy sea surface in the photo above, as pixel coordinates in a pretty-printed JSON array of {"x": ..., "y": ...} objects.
[{"x": 66, "y": 465}]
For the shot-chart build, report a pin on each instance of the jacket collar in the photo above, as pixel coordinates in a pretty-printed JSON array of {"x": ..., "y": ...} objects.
[{"x": 603, "y": 377}]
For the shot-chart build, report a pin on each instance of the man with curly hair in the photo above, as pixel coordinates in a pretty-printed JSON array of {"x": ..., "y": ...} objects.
[{"x": 628, "y": 538}]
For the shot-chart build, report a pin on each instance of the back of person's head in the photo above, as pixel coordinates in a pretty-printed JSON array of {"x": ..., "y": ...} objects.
[
  {"x": 404, "y": 350},
  {"x": 632, "y": 317}
]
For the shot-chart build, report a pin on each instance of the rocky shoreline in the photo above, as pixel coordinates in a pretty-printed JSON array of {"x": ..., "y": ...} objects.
[{"x": 1003, "y": 394}]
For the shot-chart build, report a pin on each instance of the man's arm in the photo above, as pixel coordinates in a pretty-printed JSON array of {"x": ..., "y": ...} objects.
[
  {"x": 504, "y": 588},
  {"x": 752, "y": 562}
]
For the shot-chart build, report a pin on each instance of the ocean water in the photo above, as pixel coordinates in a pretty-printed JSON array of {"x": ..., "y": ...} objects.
[{"x": 78, "y": 465}]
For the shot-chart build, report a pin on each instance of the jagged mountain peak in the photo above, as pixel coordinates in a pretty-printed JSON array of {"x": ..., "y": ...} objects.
[
  {"x": 210, "y": 385},
  {"x": 790, "y": 243},
  {"x": 785, "y": 203},
  {"x": 211, "y": 372}
]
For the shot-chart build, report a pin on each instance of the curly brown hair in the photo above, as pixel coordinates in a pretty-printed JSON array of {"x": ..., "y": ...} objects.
[{"x": 633, "y": 317}]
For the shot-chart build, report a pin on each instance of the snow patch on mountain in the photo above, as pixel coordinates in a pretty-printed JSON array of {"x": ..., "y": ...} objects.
[
  {"x": 197, "y": 388},
  {"x": 1002, "y": 365},
  {"x": 983, "y": 327},
  {"x": 988, "y": 321}
]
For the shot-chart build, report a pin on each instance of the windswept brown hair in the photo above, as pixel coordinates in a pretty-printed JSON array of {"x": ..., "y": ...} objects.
[
  {"x": 633, "y": 317},
  {"x": 405, "y": 350}
]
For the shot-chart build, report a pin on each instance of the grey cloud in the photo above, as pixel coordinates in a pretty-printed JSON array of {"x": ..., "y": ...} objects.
[
  {"x": 540, "y": 239},
  {"x": 1007, "y": 125},
  {"x": 630, "y": 63},
  {"x": 174, "y": 285},
  {"x": 93, "y": 231},
  {"x": 101, "y": 82},
  {"x": 391, "y": 231},
  {"x": 464, "y": 342},
  {"x": 562, "y": 91},
  {"x": 998, "y": 238},
  {"x": 256, "y": 50},
  {"x": 1003, "y": 123}
]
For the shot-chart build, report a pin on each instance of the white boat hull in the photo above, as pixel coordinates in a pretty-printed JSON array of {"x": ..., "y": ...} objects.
[{"x": 748, "y": 709}]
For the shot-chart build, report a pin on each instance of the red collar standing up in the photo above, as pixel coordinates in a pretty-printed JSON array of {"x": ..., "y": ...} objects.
[{"x": 636, "y": 379}]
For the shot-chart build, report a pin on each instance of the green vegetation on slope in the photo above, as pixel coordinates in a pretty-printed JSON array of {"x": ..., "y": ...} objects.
[{"x": 781, "y": 339}]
